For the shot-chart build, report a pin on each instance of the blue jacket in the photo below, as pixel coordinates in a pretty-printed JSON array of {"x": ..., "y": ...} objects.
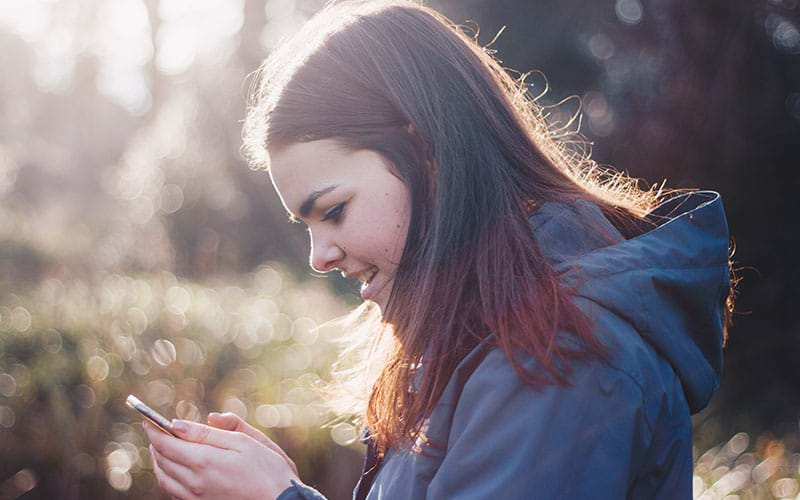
[{"x": 621, "y": 430}]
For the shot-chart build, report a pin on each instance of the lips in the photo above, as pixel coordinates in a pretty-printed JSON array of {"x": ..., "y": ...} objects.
[
  {"x": 362, "y": 276},
  {"x": 366, "y": 278},
  {"x": 366, "y": 287},
  {"x": 369, "y": 277}
]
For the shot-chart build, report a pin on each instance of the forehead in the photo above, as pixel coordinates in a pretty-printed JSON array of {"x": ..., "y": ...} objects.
[
  {"x": 306, "y": 159},
  {"x": 301, "y": 168}
]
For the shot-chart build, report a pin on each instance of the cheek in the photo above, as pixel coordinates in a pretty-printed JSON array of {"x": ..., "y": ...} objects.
[
  {"x": 384, "y": 240},
  {"x": 396, "y": 229},
  {"x": 386, "y": 218}
]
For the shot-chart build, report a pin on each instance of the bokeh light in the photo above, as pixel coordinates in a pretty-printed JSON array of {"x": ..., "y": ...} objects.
[{"x": 629, "y": 11}]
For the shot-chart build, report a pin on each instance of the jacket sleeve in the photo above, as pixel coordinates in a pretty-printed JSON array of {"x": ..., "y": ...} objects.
[
  {"x": 508, "y": 440},
  {"x": 298, "y": 491}
]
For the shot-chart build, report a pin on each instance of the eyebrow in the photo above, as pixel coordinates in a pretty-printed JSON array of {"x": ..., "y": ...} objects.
[{"x": 308, "y": 205}]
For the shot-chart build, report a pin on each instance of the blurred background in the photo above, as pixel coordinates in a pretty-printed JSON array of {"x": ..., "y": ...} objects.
[{"x": 139, "y": 254}]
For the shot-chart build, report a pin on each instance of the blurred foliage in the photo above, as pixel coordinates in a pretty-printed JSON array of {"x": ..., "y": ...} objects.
[
  {"x": 72, "y": 349},
  {"x": 741, "y": 470},
  {"x": 138, "y": 253}
]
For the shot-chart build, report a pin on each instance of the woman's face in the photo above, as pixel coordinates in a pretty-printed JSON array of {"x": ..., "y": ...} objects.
[{"x": 356, "y": 210}]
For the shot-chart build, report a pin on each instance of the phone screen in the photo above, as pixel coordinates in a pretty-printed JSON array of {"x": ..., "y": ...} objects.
[{"x": 150, "y": 414}]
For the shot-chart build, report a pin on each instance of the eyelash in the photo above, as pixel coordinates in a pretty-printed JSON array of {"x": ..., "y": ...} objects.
[{"x": 335, "y": 214}]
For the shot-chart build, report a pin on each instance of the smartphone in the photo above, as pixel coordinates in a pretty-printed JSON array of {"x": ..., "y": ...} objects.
[{"x": 150, "y": 414}]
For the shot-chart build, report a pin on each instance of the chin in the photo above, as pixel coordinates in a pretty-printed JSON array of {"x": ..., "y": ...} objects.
[
  {"x": 382, "y": 298},
  {"x": 379, "y": 302}
]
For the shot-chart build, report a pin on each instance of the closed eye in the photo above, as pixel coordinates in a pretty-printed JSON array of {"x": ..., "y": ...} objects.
[{"x": 335, "y": 213}]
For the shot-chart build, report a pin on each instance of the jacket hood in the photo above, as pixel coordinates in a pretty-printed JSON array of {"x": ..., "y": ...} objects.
[{"x": 670, "y": 282}]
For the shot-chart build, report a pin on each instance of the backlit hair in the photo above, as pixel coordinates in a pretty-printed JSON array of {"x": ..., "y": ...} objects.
[{"x": 477, "y": 155}]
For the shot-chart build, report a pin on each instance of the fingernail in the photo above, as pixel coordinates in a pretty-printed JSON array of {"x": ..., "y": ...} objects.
[
  {"x": 180, "y": 426},
  {"x": 214, "y": 414}
]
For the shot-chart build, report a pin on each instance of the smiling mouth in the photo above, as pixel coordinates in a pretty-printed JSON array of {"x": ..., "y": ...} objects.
[
  {"x": 371, "y": 276},
  {"x": 367, "y": 288}
]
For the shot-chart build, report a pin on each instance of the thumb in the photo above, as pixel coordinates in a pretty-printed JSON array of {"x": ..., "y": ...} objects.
[
  {"x": 227, "y": 421},
  {"x": 233, "y": 422},
  {"x": 199, "y": 433}
]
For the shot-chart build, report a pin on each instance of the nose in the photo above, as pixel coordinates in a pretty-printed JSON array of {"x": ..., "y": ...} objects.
[{"x": 325, "y": 254}]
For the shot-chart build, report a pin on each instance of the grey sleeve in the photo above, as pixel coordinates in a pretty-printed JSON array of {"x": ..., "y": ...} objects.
[{"x": 299, "y": 491}]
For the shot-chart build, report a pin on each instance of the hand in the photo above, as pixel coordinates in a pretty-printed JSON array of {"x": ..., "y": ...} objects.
[
  {"x": 208, "y": 462},
  {"x": 232, "y": 422}
]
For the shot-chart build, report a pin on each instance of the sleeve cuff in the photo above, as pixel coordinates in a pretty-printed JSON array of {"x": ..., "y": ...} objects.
[{"x": 299, "y": 491}]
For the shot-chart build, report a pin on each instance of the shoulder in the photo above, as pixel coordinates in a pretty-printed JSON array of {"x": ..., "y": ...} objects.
[
  {"x": 608, "y": 394},
  {"x": 594, "y": 435},
  {"x": 594, "y": 386},
  {"x": 550, "y": 437},
  {"x": 636, "y": 386}
]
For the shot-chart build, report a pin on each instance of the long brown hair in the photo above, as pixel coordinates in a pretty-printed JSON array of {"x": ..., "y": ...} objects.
[{"x": 478, "y": 157}]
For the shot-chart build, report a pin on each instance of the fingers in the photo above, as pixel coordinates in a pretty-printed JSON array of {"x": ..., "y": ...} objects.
[
  {"x": 233, "y": 422},
  {"x": 177, "y": 471},
  {"x": 190, "y": 454},
  {"x": 167, "y": 482},
  {"x": 165, "y": 469}
]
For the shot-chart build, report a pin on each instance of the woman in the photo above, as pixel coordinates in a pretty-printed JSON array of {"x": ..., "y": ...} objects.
[{"x": 545, "y": 329}]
